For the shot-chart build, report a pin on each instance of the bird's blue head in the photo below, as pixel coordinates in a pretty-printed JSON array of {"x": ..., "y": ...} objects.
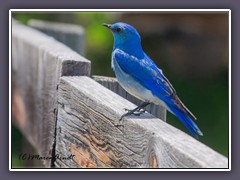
[{"x": 124, "y": 35}]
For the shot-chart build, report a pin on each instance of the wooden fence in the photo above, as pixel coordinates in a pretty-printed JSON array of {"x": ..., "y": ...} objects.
[{"x": 65, "y": 113}]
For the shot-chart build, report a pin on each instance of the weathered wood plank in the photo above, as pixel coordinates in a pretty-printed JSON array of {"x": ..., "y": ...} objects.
[
  {"x": 89, "y": 128},
  {"x": 71, "y": 35},
  {"x": 113, "y": 85},
  {"x": 38, "y": 62}
]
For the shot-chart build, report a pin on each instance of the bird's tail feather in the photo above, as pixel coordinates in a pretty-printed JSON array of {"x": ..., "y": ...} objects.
[{"x": 187, "y": 121}]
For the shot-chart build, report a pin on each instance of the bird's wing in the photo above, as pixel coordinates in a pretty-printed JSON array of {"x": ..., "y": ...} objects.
[
  {"x": 145, "y": 72},
  {"x": 151, "y": 77}
]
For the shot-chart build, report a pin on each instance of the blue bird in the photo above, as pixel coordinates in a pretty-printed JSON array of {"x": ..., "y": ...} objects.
[{"x": 141, "y": 77}]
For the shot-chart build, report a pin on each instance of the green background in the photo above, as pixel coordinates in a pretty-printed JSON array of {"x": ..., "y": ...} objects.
[{"x": 205, "y": 95}]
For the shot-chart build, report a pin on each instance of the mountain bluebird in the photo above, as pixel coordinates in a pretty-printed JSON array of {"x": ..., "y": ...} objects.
[{"x": 140, "y": 76}]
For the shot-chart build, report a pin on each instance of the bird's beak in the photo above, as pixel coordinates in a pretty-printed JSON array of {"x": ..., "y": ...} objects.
[{"x": 108, "y": 25}]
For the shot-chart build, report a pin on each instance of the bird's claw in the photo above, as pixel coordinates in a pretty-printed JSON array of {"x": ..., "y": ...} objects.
[
  {"x": 135, "y": 112},
  {"x": 130, "y": 112}
]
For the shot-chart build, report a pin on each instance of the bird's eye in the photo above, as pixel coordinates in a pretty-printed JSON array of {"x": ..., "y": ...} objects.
[{"x": 118, "y": 30}]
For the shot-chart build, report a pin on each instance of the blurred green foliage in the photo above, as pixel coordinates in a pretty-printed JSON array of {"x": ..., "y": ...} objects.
[
  {"x": 24, "y": 17},
  {"x": 16, "y": 147},
  {"x": 98, "y": 40},
  {"x": 206, "y": 98}
]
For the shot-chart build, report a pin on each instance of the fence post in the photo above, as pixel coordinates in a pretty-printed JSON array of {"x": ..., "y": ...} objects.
[
  {"x": 71, "y": 35},
  {"x": 38, "y": 62}
]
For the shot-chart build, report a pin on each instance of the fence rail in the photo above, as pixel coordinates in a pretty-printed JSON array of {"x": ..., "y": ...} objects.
[{"x": 62, "y": 111}]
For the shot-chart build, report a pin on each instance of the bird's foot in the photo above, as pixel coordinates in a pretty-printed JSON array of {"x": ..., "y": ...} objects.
[
  {"x": 137, "y": 112},
  {"x": 133, "y": 111}
]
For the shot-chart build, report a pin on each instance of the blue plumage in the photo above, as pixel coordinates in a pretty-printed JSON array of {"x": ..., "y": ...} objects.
[{"x": 140, "y": 76}]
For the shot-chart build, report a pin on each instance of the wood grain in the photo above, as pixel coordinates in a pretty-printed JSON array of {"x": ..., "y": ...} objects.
[
  {"x": 89, "y": 127},
  {"x": 38, "y": 62}
]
